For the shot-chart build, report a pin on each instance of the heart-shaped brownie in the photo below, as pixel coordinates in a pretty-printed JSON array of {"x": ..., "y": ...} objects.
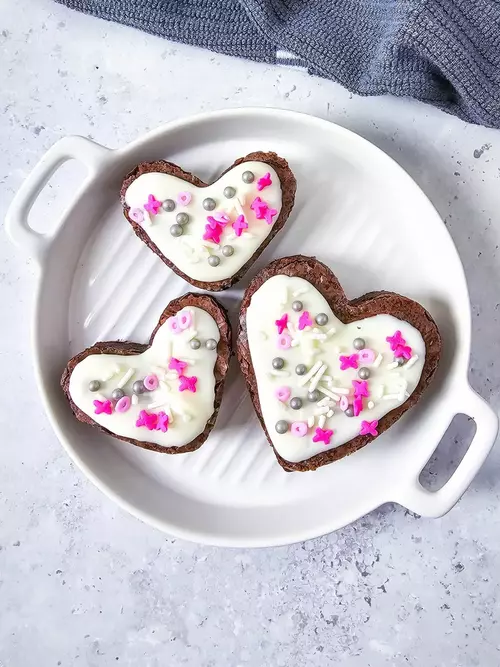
[
  {"x": 327, "y": 375},
  {"x": 210, "y": 234},
  {"x": 164, "y": 396}
]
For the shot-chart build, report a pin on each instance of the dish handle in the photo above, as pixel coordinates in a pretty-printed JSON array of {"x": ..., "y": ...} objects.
[
  {"x": 16, "y": 222},
  {"x": 437, "y": 503}
]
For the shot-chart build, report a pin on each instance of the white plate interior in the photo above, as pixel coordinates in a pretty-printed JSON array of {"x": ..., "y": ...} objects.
[{"x": 358, "y": 212}]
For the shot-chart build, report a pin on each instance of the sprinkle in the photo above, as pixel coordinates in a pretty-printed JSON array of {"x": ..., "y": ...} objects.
[
  {"x": 135, "y": 399},
  {"x": 152, "y": 206},
  {"x": 164, "y": 386},
  {"x": 263, "y": 335},
  {"x": 322, "y": 411},
  {"x": 105, "y": 407},
  {"x": 284, "y": 298},
  {"x": 171, "y": 376},
  {"x": 264, "y": 182},
  {"x": 326, "y": 392},
  {"x": 349, "y": 361},
  {"x": 298, "y": 429},
  {"x": 239, "y": 225},
  {"x": 395, "y": 340},
  {"x": 136, "y": 214},
  {"x": 344, "y": 403},
  {"x": 366, "y": 356},
  {"x": 305, "y": 378},
  {"x": 340, "y": 390},
  {"x": 317, "y": 378},
  {"x": 281, "y": 324},
  {"x": 114, "y": 371},
  {"x": 188, "y": 360},
  {"x": 295, "y": 343},
  {"x": 357, "y": 405},
  {"x": 310, "y": 421},
  {"x": 360, "y": 388},
  {"x": 177, "y": 365},
  {"x": 369, "y": 428},
  {"x": 331, "y": 331},
  {"x": 377, "y": 361},
  {"x": 392, "y": 365},
  {"x": 188, "y": 383},
  {"x": 411, "y": 362},
  {"x": 329, "y": 414},
  {"x": 157, "y": 404},
  {"x": 371, "y": 405},
  {"x": 318, "y": 336},
  {"x": 151, "y": 382},
  {"x": 123, "y": 404},
  {"x": 159, "y": 370},
  {"x": 101, "y": 398},
  {"x": 162, "y": 424},
  {"x": 184, "y": 198},
  {"x": 147, "y": 420},
  {"x": 283, "y": 394},
  {"x": 323, "y": 436},
  {"x": 279, "y": 373},
  {"x": 300, "y": 291},
  {"x": 390, "y": 397},
  {"x": 322, "y": 421},
  {"x": 184, "y": 319},
  {"x": 283, "y": 341},
  {"x": 403, "y": 351},
  {"x": 324, "y": 401},
  {"x": 305, "y": 320},
  {"x": 327, "y": 379}
]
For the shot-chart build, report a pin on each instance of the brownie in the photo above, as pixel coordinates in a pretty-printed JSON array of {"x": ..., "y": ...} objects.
[
  {"x": 373, "y": 303},
  {"x": 288, "y": 188},
  {"x": 224, "y": 351}
]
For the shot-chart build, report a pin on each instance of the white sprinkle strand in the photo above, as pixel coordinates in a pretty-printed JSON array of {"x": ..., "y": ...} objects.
[
  {"x": 413, "y": 360},
  {"x": 157, "y": 404},
  {"x": 171, "y": 376},
  {"x": 129, "y": 374},
  {"x": 340, "y": 390},
  {"x": 114, "y": 371},
  {"x": 318, "y": 336},
  {"x": 392, "y": 366},
  {"x": 324, "y": 401},
  {"x": 100, "y": 397},
  {"x": 305, "y": 378},
  {"x": 164, "y": 386},
  {"x": 310, "y": 421},
  {"x": 322, "y": 421},
  {"x": 377, "y": 361},
  {"x": 317, "y": 378},
  {"x": 391, "y": 397},
  {"x": 326, "y": 392},
  {"x": 135, "y": 399},
  {"x": 322, "y": 411},
  {"x": 300, "y": 291},
  {"x": 329, "y": 414},
  {"x": 331, "y": 331},
  {"x": 370, "y": 405},
  {"x": 188, "y": 360}
]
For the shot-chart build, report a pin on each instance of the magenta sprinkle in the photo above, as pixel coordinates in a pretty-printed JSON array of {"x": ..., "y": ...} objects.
[
  {"x": 282, "y": 323},
  {"x": 188, "y": 383},
  {"x": 152, "y": 205},
  {"x": 305, "y": 320},
  {"x": 177, "y": 365},
  {"x": 403, "y": 351},
  {"x": 162, "y": 423},
  {"x": 357, "y": 405},
  {"x": 149, "y": 420},
  {"x": 349, "y": 361},
  {"x": 395, "y": 340},
  {"x": 323, "y": 435},
  {"x": 239, "y": 225},
  {"x": 369, "y": 428},
  {"x": 360, "y": 388},
  {"x": 269, "y": 215},
  {"x": 264, "y": 182},
  {"x": 103, "y": 407},
  {"x": 212, "y": 233}
]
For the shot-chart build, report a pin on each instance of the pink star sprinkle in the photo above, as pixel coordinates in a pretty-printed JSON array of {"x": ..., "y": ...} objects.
[
  {"x": 152, "y": 205},
  {"x": 259, "y": 207},
  {"x": 218, "y": 220},
  {"x": 136, "y": 215},
  {"x": 369, "y": 428},
  {"x": 188, "y": 383},
  {"x": 305, "y": 320},
  {"x": 105, "y": 407},
  {"x": 360, "y": 388},
  {"x": 146, "y": 419},
  {"x": 269, "y": 215},
  {"x": 239, "y": 225},
  {"x": 173, "y": 324},
  {"x": 357, "y": 406},
  {"x": 283, "y": 394},
  {"x": 403, "y": 351},
  {"x": 344, "y": 403},
  {"x": 282, "y": 323},
  {"x": 162, "y": 424},
  {"x": 395, "y": 340},
  {"x": 177, "y": 365},
  {"x": 323, "y": 435},
  {"x": 184, "y": 198},
  {"x": 367, "y": 356},
  {"x": 212, "y": 233},
  {"x": 350, "y": 361},
  {"x": 184, "y": 320},
  {"x": 264, "y": 182},
  {"x": 284, "y": 341}
]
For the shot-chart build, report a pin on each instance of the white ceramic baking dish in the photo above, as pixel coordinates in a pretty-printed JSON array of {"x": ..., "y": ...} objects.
[{"x": 356, "y": 210}]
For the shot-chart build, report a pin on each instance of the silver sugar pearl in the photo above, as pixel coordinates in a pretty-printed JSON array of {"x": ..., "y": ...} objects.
[
  {"x": 321, "y": 319},
  {"x": 176, "y": 230},
  {"x": 301, "y": 369},
  {"x": 138, "y": 387},
  {"x": 227, "y": 250},
  {"x": 401, "y": 361},
  {"x": 313, "y": 396},
  {"x": 116, "y": 394},
  {"x": 182, "y": 218},
  {"x": 297, "y": 306},
  {"x": 359, "y": 343},
  {"x": 364, "y": 373},
  {"x": 229, "y": 192},
  {"x": 194, "y": 344},
  {"x": 349, "y": 412},
  {"x": 209, "y": 204},
  {"x": 213, "y": 260},
  {"x": 94, "y": 385},
  {"x": 278, "y": 363},
  {"x": 281, "y": 426},
  {"x": 247, "y": 177},
  {"x": 210, "y": 344},
  {"x": 168, "y": 205},
  {"x": 296, "y": 403}
]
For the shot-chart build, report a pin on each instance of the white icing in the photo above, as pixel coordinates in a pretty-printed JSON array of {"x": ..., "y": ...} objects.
[
  {"x": 199, "y": 405},
  {"x": 388, "y": 388},
  {"x": 190, "y": 252}
]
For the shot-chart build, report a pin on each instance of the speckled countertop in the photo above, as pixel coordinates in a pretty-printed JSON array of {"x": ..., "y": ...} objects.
[{"x": 81, "y": 582}]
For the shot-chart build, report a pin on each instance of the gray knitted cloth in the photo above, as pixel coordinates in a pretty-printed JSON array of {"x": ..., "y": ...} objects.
[{"x": 444, "y": 52}]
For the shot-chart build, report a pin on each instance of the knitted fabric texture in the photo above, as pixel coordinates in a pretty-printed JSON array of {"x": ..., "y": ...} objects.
[{"x": 444, "y": 52}]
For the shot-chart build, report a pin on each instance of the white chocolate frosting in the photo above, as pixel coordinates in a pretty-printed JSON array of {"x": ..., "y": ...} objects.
[
  {"x": 190, "y": 252},
  {"x": 319, "y": 348},
  {"x": 187, "y": 411}
]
